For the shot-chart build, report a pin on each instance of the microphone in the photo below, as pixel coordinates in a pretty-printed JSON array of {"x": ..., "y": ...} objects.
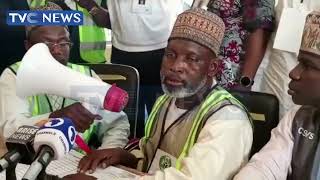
[
  {"x": 53, "y": 141},
  {"x": 19, "y": 147}
]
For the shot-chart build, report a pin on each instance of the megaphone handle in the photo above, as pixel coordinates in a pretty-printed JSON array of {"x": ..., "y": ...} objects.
[{"x": 93, "y": 109}]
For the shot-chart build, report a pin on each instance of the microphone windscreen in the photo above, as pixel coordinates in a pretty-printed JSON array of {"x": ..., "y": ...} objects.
[
  {"x": 59, "y": 134},
  {"x": 21, "y": 141}
]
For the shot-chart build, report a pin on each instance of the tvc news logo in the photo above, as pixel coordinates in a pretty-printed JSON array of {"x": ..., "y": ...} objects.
[{"x": 49, "y": 17}]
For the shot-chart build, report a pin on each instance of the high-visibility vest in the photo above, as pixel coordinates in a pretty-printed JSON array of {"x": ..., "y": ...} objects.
[
  {"x": 40, "y": 104},
  {"x": 91, "y": 37},
  {"x": 212, "y": 101}
]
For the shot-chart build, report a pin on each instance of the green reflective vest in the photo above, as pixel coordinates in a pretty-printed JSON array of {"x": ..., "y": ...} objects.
[
  {"x": 40, "y": 104},
  {"x": 212, "y": 102},
  {"x": 92, "y": 38}
]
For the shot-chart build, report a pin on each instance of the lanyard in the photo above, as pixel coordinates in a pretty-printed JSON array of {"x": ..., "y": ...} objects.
[
  {"x": 178, "y": 120},
  {"x": 164, "y": 132}
]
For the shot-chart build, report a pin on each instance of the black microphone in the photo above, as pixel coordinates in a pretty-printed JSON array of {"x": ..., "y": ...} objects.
[
  {"x": 43, "y": 159},
  {"x": 20, "y": 147}
]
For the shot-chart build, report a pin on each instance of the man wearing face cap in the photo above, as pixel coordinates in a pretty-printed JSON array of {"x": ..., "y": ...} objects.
[
  {"x": 196, "y": 130},
  {"x": 293, "y": 151}
]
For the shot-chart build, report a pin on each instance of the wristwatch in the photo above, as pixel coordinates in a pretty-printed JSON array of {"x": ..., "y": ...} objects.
[{"x": 245, "y": 81}]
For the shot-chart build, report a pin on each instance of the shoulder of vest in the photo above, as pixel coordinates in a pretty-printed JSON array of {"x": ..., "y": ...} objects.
[
  {"x": 304, "y": 116},
  {"x": 220, "y": 98},
  {"x": 14, "y": 67},
  {"x": 219, "y": 94},
  {"x": 216, "y": 100},
  {"x": 155, "y": 110},
  {"x": 160, "y": 100},
  {"x": 304, "y": 111},
  {"x": 162, "y": 97}
]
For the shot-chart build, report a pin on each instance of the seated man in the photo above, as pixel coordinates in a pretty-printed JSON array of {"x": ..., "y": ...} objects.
[
  {"x": 293, "y": 151},
  {"x": 113, "y": 128},
  {"x": 196, "y": 130}
]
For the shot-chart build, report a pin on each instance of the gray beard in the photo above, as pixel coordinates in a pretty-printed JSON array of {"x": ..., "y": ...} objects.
[{"x": 184, "y": 91}]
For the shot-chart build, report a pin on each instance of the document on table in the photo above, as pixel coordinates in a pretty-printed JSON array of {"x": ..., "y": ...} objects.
[
  {"x": 21, "y": 169},
  {"x": 68, "y": 165}
]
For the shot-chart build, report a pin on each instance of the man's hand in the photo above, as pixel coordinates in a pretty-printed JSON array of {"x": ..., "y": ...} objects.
[
  {"x": 99, "y": 14},
  {"x": 41, "y": 122},
  {"x": 104, "y": 158},
  {"x": 87, "y": 4},
  {"x": 80, "y": 116}
]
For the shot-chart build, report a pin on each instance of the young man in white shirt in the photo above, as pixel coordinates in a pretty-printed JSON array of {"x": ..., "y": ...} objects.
[{"x": 293, "y": 152}]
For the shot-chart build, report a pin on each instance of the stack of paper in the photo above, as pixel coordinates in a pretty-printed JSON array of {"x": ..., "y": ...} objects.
[{"x": 68, "y": 165}]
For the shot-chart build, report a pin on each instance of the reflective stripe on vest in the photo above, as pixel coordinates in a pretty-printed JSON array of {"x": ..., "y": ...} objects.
[
  {"x": 40, "y": 104},
  {"x": 213, "y": 99},
  {"x": 92, "y": 39}
]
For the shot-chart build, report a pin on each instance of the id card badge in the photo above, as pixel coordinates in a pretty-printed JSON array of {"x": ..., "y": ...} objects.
[
  {"x": 290, "y": 29},
  {"x": 161, "y": 161},
  {"x": 141, "y": 7}
]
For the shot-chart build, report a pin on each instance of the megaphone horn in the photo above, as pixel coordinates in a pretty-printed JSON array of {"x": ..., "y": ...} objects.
[{"x": 40, "y": 73}]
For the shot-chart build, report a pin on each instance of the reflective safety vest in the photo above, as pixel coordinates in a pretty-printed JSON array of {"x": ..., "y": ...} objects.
[
  {"x": 211, "y": 103},
  {"x": 91, "y": 37},
  {"x": 40, "y": 104}
]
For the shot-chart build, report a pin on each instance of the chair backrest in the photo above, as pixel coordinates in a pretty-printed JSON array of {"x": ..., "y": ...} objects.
[
  {"x": 127, "y": 78},
  {"x": 264, "y": 109}
]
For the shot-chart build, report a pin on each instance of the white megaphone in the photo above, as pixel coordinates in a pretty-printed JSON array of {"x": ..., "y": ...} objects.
[{"x": 40, "y": 73}]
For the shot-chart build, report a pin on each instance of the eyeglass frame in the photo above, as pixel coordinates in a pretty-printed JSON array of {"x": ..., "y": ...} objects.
[
  {"x": 52, "y": 44},
  {"x": 60, "y": 44}
]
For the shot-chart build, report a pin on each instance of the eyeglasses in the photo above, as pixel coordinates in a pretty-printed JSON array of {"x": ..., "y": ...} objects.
[{"x": 63, "y": 44}]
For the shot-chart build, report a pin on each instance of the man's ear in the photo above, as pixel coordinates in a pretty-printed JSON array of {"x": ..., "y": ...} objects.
[
  {"x": 214, "y": 67},
  {"x": 27, "y": 44}
]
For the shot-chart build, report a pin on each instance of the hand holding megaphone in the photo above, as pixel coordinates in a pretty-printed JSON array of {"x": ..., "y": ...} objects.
[{"x": 80, "y": 116}]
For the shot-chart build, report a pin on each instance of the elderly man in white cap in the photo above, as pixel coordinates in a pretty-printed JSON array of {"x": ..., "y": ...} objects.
[{"x": 196, "y": 130}]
